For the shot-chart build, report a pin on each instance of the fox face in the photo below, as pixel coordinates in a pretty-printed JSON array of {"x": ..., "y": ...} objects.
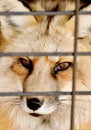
[{"x": 44, "y": 74}]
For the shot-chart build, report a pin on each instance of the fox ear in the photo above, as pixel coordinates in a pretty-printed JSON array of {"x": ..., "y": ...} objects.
[
  {"x": 84, "y": 24},
  {"x": 11, "y": 23}
]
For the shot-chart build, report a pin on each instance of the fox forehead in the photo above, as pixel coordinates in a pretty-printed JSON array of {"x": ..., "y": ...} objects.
[
  {"x": 51, "y": 59},
  {"x": 26, "y": 43}
]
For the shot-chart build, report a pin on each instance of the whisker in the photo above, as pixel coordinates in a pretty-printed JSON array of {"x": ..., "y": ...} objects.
[
  {"x": 86, "y": 85},
  {"x": 9, "y": 101},
  {"x": 80, "y": 109},
  {"x": 64, "y": 105},
  {"x": 77, "y": 100}
]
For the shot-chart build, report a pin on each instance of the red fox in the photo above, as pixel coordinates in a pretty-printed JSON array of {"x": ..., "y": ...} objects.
[{"x": 43, "y": 73}]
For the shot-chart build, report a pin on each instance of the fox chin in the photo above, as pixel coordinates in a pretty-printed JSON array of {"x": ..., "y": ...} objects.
[{"x": 43, "y": 73}]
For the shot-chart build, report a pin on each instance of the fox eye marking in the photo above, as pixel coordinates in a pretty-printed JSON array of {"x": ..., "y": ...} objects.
[
  {"x": 27, "y": 63},
  {"x": 61, "y": 67}
]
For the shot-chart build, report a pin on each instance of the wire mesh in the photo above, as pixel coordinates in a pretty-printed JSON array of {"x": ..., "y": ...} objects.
[{"x": 75, "y": 54}]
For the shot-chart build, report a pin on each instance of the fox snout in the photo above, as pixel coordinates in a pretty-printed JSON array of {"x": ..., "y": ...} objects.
[
  {"x": 39, "y": 105},
  {"x": 39, "y": 82}
]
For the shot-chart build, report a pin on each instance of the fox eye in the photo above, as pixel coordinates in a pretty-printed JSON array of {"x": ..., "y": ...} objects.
[
  {"x": 61, "y": 67},
  {"x": 27, "y": 63}
]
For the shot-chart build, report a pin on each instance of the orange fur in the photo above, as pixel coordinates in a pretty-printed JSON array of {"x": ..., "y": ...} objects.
[{"x": 43, "y": 73}]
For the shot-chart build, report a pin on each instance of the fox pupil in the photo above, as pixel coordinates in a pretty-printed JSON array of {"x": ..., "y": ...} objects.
[{"x": 27, "y": 63}]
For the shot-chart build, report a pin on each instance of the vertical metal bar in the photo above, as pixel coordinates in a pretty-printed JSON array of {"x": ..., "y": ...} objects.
[
  {"x": 77, "y": 4},
  {"x": 0, "y": 33}
]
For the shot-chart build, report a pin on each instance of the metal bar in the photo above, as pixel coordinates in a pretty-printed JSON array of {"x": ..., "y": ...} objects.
[
  {"x": 43, "y": 54},
  {"x": 36, "y": 54},
  {"x": 77, "y": 5},
  {"x": 46, "y": 13},
  {"x": 85, "y": 93}
]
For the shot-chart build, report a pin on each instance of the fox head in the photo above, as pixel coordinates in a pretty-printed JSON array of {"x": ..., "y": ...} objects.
[{"x": 44, "y": 73}]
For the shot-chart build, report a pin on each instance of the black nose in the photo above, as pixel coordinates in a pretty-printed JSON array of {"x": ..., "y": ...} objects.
[{"x": 33, "y": 103}]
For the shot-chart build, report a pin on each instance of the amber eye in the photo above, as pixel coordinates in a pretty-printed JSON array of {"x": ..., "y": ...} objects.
[
  {"x": 27, "y": 63},
  {"x": 61, "y": 67}
]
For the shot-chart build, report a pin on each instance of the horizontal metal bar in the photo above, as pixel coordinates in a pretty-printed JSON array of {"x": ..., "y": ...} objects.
[
  {"x": 44, "y": 93},
  {"x": 46, "y": 13},
  {"x": 43, "y": 54},
  {"x": 35, "y": 54}
]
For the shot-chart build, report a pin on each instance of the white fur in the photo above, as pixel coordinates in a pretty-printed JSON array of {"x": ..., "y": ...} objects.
[{"x": 56, "y": 110}]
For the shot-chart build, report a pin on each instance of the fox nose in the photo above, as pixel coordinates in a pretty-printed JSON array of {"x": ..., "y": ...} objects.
[{"x": 33, "y": 103}]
